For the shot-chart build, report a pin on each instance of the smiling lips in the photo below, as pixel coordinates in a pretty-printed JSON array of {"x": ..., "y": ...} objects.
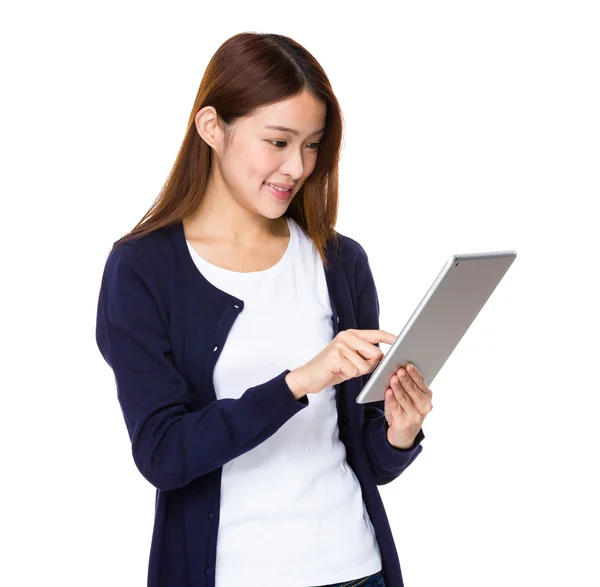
[
  {"x": 278, "y": 193},
  {"x": 282, "y": 186}
]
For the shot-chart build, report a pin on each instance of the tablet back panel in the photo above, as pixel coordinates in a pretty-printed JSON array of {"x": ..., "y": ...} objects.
[{"x": 452, "y": 303}]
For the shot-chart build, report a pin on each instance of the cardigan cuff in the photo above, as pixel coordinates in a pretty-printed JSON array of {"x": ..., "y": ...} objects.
[
  {"x": 390, "y": 458},
  {"x": 420, "y": 436}
]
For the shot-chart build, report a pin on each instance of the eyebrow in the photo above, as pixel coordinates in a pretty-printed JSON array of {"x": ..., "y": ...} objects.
[{"x": 291, "y": 130}]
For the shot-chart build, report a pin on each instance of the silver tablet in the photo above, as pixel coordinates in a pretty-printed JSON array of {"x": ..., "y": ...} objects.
[{"x": 441, "y": 319}]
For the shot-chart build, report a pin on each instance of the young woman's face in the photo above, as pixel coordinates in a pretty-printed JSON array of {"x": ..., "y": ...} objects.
[{"x": 258, "y": 154}]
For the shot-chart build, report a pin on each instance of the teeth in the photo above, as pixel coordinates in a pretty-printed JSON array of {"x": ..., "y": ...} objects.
[{"x": 276, "y": 188}]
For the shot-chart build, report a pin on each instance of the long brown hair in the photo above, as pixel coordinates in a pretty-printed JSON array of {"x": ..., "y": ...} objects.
[{"x": 250, "y": 70}]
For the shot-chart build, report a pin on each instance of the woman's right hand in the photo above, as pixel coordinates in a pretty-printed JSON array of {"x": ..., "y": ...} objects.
[{"x": 350, "y": 354}]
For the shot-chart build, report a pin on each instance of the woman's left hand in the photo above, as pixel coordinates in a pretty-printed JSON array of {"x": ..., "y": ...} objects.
[{"x": 407, "y": 407}]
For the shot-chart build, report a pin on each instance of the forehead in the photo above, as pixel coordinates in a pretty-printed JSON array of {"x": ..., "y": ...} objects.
[{"x": 304, "y": 113}]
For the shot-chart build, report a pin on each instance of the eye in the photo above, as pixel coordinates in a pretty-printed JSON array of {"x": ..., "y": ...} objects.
[{"x": 312, "y": 146}]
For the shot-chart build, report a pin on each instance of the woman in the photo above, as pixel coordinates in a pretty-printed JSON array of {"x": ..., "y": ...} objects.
[{"x": 227, "y": 306}]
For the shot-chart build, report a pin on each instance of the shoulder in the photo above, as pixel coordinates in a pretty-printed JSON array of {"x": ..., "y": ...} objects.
[
  {"x": 147, "y": 245},
  {"x": 353, "y": 247},
  {"x": 153, "y": 249},
  {"x": 352, "y": 252},
  {"x": 144, "y": 261}
]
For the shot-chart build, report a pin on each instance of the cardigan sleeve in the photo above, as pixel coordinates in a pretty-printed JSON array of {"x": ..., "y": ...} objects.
[
  {"x": 386, "y": 461},
  {"x": 171, "y": 442}
]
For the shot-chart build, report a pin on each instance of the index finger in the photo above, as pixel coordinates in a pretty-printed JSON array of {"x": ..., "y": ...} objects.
[{"x": 375, "y": 336}]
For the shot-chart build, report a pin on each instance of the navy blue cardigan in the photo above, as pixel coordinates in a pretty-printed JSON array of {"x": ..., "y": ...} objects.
[{"x": 156, "y": 315}]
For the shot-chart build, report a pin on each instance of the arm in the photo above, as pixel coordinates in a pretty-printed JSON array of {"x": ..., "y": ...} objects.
[
  {"x": 387, "y": 461},
  {"x": 172, "y": 444}
]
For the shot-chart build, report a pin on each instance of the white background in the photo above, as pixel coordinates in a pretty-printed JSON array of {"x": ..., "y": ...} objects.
[{"x": 470, "y": 126}]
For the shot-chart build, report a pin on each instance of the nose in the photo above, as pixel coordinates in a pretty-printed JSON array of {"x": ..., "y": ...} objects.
[{"x": 293, "y": 166}]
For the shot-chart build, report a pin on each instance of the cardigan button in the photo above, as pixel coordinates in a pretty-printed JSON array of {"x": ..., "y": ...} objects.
[
  {"x": 210, "y": 515},
  {"x": 337, "y": 319}
]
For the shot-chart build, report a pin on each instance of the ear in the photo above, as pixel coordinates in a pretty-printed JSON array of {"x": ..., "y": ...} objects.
[{"x": 209, "y": 128}]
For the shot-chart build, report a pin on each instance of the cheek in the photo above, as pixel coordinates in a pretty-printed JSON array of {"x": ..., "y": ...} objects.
[
  {"x": 311, "y": 163},
  {"x": 262, "y": 165}
]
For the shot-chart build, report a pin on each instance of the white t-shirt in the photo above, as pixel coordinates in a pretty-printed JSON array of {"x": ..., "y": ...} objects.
[{"x": 294, "y": 495}]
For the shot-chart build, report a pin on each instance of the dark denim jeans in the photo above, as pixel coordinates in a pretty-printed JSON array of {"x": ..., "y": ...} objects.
[{"x": 375, "y": 580}]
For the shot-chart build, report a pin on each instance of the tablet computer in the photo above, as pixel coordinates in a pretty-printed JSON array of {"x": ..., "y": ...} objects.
[{"x": 445, "y": 313}]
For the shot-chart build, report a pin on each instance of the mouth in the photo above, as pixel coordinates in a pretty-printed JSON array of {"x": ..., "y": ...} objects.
[{"x": 278, "y": 192}]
